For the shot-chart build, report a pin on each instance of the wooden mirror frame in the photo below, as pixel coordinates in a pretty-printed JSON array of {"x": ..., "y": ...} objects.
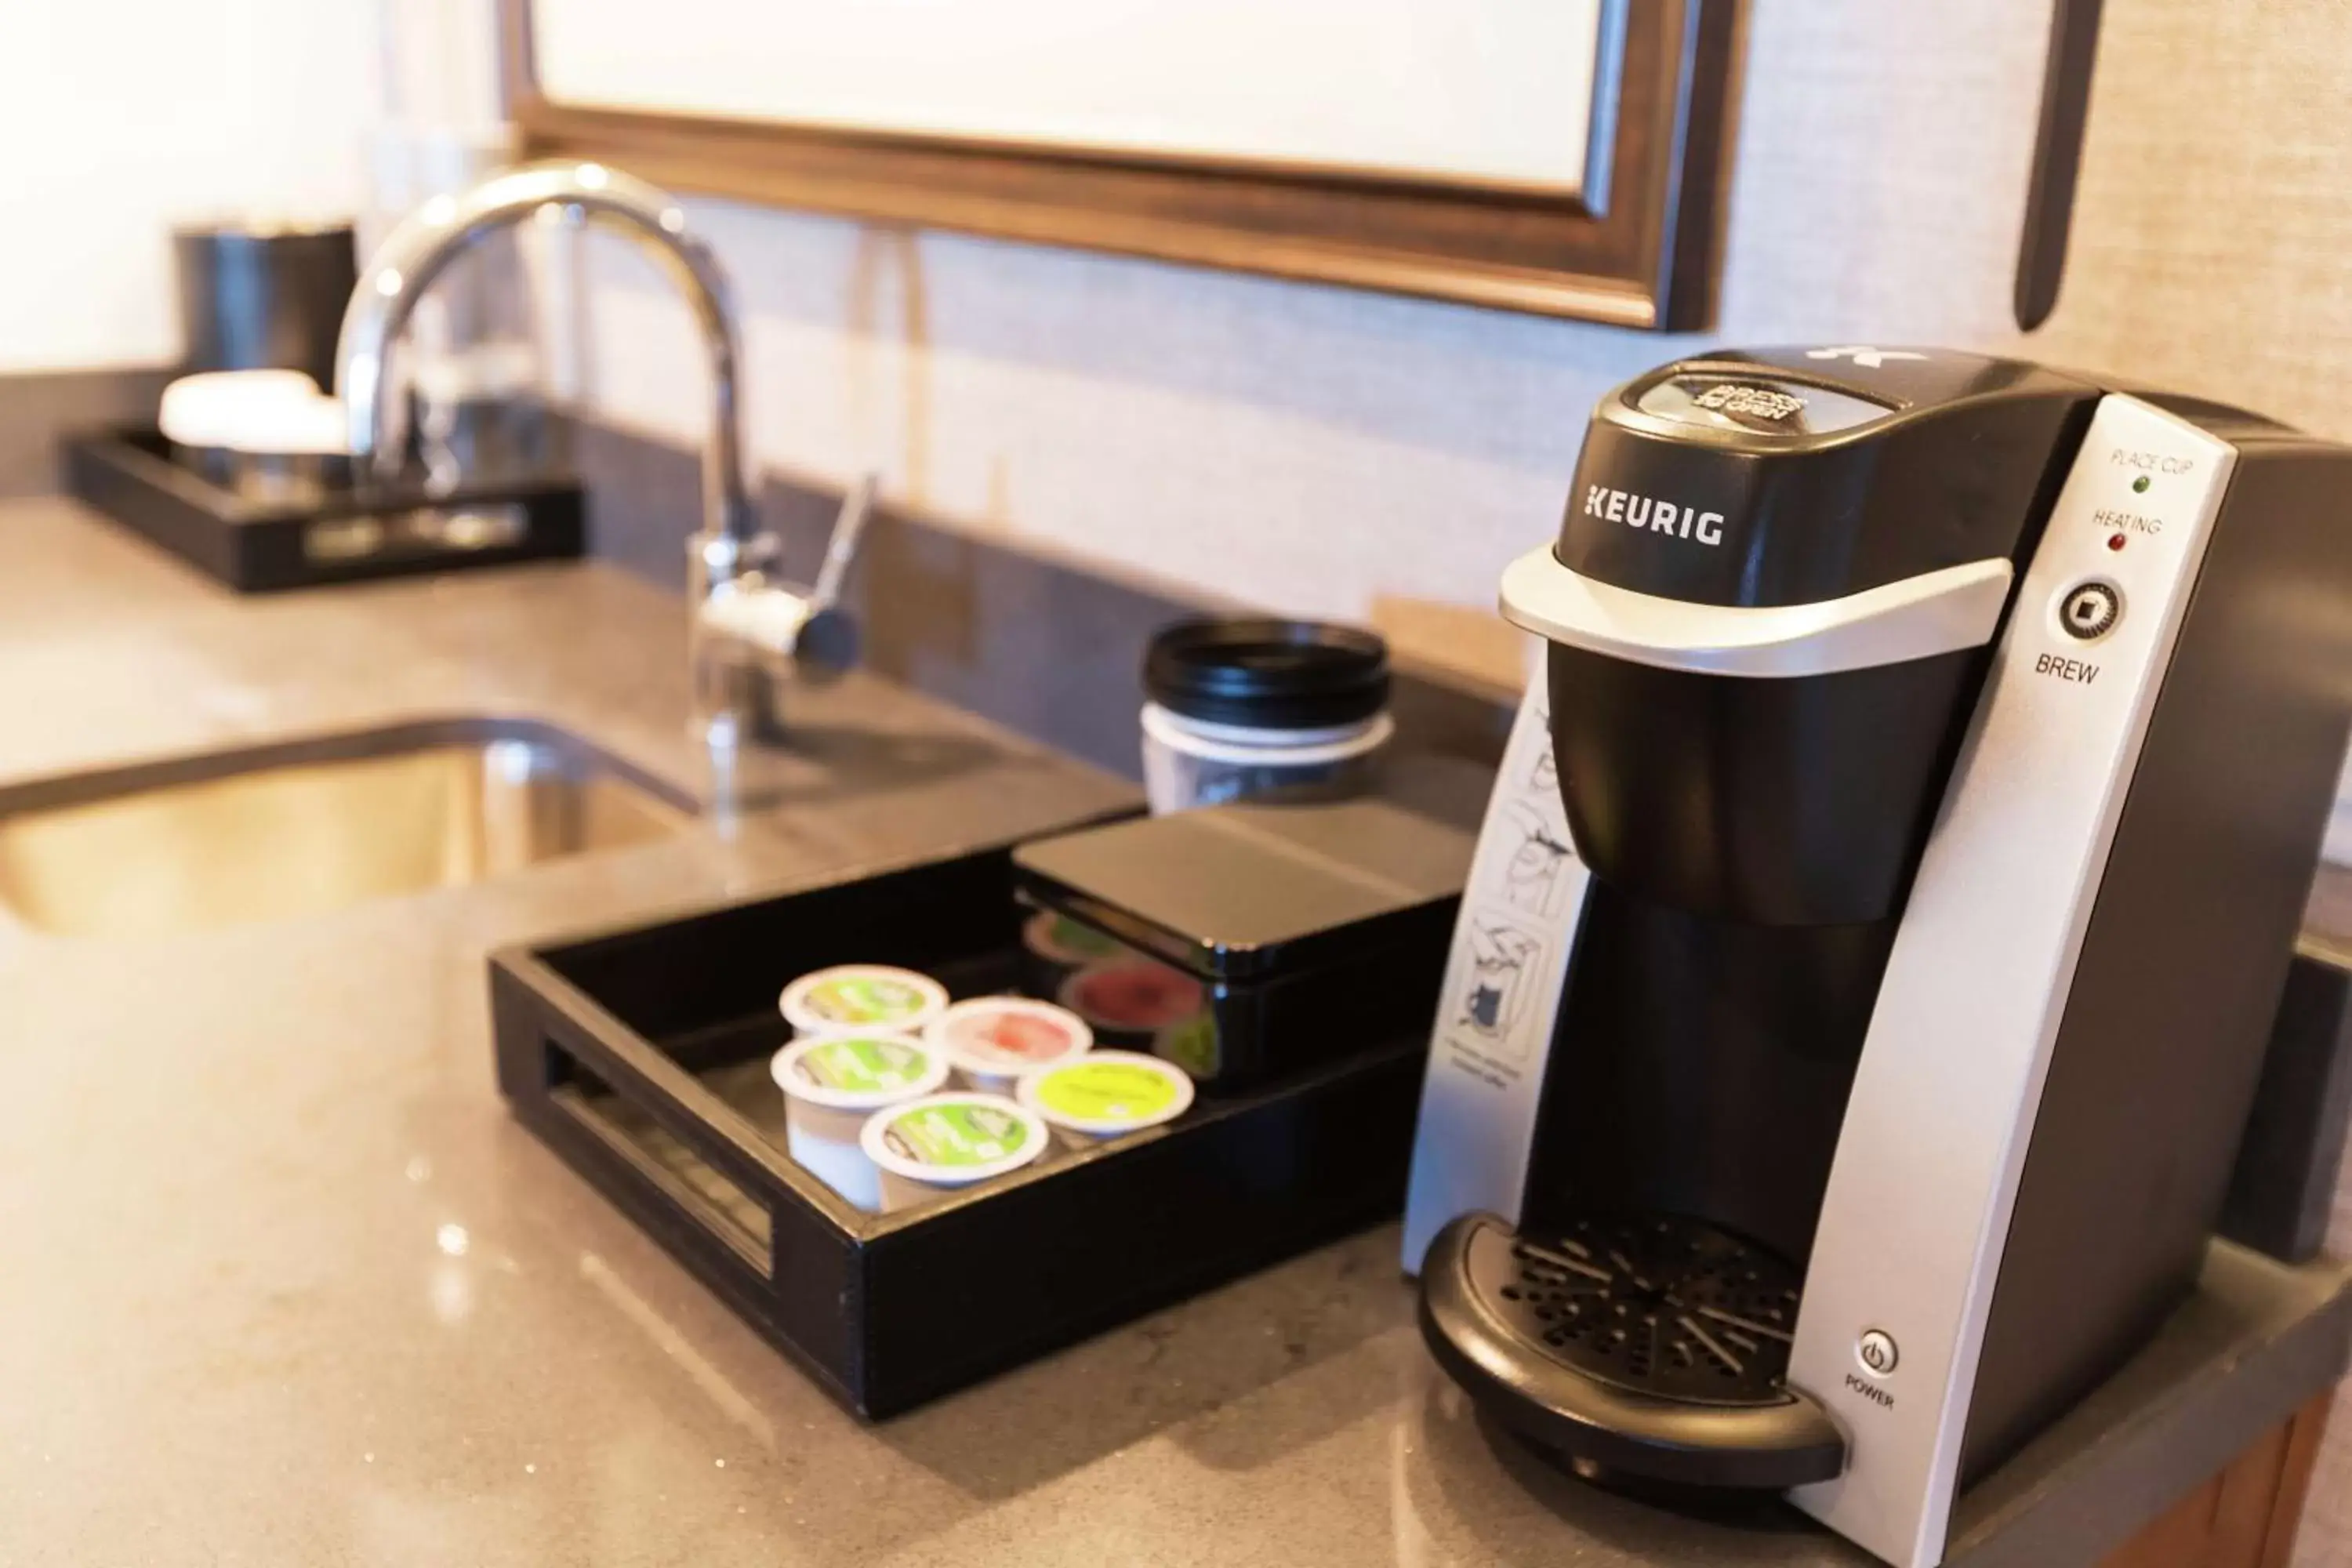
[{"x": 1639, "y": 248}]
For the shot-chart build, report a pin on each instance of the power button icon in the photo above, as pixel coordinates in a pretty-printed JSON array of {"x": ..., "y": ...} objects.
[
  {"x": 1875, "y": 1349},
  {"x": 2089, "y": 611}
]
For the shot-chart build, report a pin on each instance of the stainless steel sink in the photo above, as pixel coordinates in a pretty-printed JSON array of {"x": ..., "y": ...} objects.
[{"x": 309, "y": 826}]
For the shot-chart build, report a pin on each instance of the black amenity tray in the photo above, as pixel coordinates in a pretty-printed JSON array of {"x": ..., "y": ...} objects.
[
  {"x": 318, "y": 533},
  {"x": 641, "y": 1057}
]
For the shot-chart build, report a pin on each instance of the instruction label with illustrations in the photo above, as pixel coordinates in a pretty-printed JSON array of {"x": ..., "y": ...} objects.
[{"x": 1501, "y": 989}]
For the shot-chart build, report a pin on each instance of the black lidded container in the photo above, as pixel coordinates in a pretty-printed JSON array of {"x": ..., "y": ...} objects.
[
  {"x": 1263, "y": 673},
  {"x": 1247, "y": 941},
  {"x": 1783, "y": 477},
  {"x": 255, "y": 297},
  {"x": 1262, "y": 708}
]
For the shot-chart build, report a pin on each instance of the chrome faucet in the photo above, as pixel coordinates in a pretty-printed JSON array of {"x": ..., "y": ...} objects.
[{"x": 749, "y": 628}]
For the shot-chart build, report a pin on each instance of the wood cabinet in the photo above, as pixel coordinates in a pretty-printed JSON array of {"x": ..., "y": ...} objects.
[{"x": 2246, "y": 1516}]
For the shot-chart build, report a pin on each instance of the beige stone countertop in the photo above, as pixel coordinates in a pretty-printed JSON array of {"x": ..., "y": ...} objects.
[{"x": 282, "y": 1282}]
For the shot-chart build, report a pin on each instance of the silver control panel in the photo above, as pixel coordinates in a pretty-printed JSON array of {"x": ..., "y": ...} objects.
[{"x": 1944, "y": 1098}]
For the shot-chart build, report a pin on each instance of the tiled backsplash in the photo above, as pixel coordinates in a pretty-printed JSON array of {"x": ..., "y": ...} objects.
[{"x": 1046, "y": 646}]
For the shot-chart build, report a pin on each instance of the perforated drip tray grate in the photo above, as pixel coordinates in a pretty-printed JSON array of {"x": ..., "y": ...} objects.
[
  {"x": 1644, "y": 1347},
  {"x": 1659, "y": 1305}
]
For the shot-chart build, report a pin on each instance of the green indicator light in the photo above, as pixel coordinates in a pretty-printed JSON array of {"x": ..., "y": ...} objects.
[{"x": 2139, "y": 485}]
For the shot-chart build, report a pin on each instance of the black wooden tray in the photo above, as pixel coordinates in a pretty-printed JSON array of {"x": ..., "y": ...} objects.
[
  {"x": 319, "y": 534},
  {"x": 641, "y": 1056}
]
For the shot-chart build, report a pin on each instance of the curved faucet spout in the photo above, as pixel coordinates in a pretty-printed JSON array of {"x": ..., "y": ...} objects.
[
  {"x": 748, "y": 629},
  {"x": 422, "y": 247}
]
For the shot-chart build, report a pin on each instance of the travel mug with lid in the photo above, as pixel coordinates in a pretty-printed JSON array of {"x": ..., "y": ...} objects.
[{"x": 1256, "y": 708}]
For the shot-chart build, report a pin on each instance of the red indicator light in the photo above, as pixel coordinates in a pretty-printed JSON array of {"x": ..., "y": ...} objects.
[{"x": 2114, "y": 541}]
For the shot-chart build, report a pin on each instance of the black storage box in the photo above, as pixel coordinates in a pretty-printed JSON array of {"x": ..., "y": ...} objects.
[
  {"x": 1245, "y": 941},
  {"x": 320, "y": 533},
  {"x": 641, "y": 1057}
]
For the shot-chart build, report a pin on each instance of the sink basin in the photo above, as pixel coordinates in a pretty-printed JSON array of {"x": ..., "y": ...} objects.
[{"x": 300, "y": 827}]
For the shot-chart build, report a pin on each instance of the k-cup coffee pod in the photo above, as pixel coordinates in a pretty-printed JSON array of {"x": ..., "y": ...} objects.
[
  {"x": 991, "y": 1040},
  {"x": 833, "y": 1085},
  {"x": 1104, "y": 1094},
  {"x": 1129, "y": 1001},
  {"x": 947, "y": 1142},
  {"x": 862, "y": 996}
]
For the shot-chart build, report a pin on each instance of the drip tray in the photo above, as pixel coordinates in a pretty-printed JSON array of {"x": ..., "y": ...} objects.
[
  {"x": 1666, "y": 1306},
  {"x": 1649, "y": 1346}
]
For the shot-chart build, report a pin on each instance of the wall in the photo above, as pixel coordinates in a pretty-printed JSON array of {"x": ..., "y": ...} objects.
[
  {"x": 121, "y": 120},
  {"x": 2214, "y": 221},
  {"x": 1329, "y": 453},
  {"x": 1320, "y": 449}
]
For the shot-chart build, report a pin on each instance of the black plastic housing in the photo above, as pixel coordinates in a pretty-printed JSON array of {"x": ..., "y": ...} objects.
[
  {"x": 1960, "y": 466},
  {"x": 1791, "y": 801},
  {"x": 640, "y": 1057},
  {"x": 1719, "y": 1094},
  {"x": 1765, "y": 478}
]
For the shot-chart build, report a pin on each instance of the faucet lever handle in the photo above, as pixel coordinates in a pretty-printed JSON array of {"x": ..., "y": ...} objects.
[
  {"x": 848, "y": 527},
  {"x": 801, "y": 625}
]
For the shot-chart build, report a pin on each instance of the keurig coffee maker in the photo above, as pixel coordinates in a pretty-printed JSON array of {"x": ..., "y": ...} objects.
[{"x": 1864, "y": 977}]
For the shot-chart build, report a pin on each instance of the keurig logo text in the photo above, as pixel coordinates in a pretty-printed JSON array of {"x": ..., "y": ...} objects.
[{"x": 1657, "y": 516}]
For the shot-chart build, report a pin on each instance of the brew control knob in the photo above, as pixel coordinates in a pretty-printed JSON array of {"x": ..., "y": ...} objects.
[{"x": 2090, "y": 610}]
